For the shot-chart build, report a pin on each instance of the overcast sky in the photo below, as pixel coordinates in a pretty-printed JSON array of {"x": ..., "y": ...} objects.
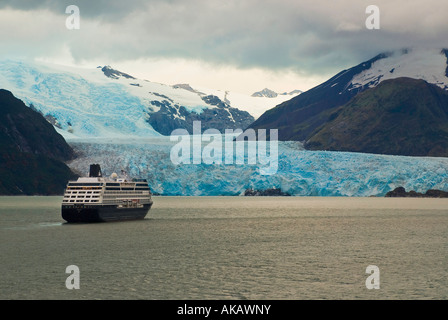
[{"x": 239, "y": 45}]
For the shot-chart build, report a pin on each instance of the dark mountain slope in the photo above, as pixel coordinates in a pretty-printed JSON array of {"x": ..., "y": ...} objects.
[
  {"x": 297, "y": 118},
  {"x": 31, "y": 151},
  {"x": 401, "y": 116},
  {"x": 27, "y": 131}
]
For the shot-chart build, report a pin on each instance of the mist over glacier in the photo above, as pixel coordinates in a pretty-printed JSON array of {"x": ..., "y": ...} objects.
[{"x": 300, "y": 172}]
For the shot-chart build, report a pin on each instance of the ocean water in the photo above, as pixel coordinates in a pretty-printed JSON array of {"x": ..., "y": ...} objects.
[{"x": 289, "y": 248}]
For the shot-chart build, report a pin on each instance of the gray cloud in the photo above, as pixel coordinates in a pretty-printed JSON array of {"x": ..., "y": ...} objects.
[
  {"x": 311, "y": 37},
  {"x": 97, "y": 9}
]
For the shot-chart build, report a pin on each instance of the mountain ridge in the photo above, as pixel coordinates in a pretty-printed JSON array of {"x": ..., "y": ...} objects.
[
  {"x": 402, "y": 116},
  {"x": 105, "y": 102},
  {"x": 299, "y": 117},
  {"x": 32, "y": 153},
  {"x": 268, "y": 93},
  {"x": 288, "y": 116}
]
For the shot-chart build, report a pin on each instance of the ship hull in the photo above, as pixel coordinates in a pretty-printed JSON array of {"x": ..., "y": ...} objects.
[{"x": 102, "y": 213}]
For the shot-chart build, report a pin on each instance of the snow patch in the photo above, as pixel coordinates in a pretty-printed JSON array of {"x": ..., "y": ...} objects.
[{"x": 425, "y": 64}]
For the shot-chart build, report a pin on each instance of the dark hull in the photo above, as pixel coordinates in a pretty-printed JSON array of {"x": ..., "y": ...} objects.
[{"x": 100, "y": 213}]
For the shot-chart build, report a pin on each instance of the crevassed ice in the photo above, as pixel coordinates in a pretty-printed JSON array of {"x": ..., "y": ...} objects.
[{"x": 300, "y": 172}]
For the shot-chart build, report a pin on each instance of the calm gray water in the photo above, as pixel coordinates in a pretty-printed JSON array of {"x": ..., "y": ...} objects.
[{"x": 229, "y": 248}]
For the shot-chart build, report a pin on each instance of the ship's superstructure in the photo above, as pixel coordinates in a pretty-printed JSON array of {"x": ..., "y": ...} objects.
[{"x": 96, "y": 198}]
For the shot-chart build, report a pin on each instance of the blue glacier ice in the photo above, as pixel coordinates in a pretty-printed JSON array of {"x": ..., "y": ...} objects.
[
  {"x": 300, "y": 172},
  {"x": 107, "y": 119},
  {"x": 85, "y": 105}
]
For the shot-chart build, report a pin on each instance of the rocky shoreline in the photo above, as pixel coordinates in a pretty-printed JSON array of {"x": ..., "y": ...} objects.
[
  {"x": 267, "y": 192},
  {"x": 400, "y": 192}
]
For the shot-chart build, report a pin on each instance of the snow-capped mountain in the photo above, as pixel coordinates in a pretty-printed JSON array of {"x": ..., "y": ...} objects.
[
  {"x": 256, "y": 106},
  {"x": 430, "y": 65},
  {"x": 424, "y": 64},
  {"x": 268, "y": 93},
  {"x": 401, "y": 116},
  {"x": 299, "y": 117},
  {"x": 104, "y": 102}
]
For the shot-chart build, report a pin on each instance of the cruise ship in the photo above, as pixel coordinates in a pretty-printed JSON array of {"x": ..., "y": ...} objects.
[{"x": 98, "y": 199}]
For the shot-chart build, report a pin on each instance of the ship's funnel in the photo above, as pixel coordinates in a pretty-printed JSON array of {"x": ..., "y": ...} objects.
[{"x": 95, "y": 170}]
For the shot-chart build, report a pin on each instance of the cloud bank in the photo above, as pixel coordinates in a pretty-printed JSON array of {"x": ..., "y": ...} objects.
[{"x": 308, "y": 37}]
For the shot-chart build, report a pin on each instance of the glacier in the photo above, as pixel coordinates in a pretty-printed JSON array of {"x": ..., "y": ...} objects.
[
  {"x": 300, "y": 172},
  {"x": 104, "y": 121},
  {"x": 86, "y": 103}
]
